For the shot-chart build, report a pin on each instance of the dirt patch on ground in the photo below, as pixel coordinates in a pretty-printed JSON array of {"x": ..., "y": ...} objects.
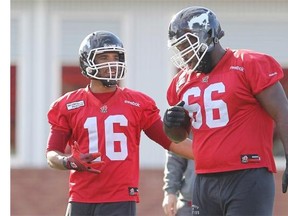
[{"x": 44, "y": 192}]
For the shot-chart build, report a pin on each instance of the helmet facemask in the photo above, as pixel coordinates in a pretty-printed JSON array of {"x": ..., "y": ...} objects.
[
  {"x": 116, "y": 69},
  {"x": 184, "y": 52}
]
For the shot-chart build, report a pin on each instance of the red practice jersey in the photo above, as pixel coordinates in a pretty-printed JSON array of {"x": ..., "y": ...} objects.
[
  {"x": 231, "y": 131},
  {"x": 112, "y": 128}
]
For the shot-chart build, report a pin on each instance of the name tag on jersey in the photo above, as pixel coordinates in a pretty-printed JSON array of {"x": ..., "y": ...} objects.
[{"x": 75, "y": 105}]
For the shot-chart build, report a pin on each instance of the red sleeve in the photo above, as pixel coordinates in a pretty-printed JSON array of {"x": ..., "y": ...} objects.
[
  {"x": 261, "y": 71},
  {"x": 57, "y": 140},
  {"x": 155, "y": 132},
  {"x": 150, "y": 113},
  {"x": 56, "y": 117}
]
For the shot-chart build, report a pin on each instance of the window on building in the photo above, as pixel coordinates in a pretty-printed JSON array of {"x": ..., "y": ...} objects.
[{"x": 72, "y": 79}]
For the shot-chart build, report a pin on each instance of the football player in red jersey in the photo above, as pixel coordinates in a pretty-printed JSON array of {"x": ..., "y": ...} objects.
[
  {"x": 103, "y": 123},
  {"x": 233, "y": 97}
]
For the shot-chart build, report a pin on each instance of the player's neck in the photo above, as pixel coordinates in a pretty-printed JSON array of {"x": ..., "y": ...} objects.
[
  {"x": 96, "y": 86},
  {"x": 217, "y": 54}
]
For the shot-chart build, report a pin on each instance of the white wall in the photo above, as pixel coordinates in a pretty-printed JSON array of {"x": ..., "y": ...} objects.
[{"x": 46, "y": 34}]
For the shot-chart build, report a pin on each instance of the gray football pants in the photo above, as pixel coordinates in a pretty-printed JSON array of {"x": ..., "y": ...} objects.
[{"x": 247, "y": 192}]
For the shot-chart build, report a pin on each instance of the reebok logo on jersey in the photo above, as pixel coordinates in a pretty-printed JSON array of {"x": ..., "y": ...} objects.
[
  {"x": 132, "y": 103},
  {"x": 272, "y": 74},
  {"x": 237, "y": 68},
  {"x": 75, "y": 105}
]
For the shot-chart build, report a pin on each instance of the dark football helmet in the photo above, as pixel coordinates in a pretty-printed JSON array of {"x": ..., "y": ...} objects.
[
  {"x": 96, "y": 43},
  {"x": 200, "y": 24}
]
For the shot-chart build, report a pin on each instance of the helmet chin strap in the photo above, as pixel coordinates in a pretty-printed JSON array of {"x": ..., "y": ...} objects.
[
  {"x": 105, "y": 83},
  {"x": 205, "y": 64}
]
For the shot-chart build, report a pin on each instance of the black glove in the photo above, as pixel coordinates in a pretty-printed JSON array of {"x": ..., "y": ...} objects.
[
  {"x": 176, "y": 116},
  {"x": 285, "y": 177}
]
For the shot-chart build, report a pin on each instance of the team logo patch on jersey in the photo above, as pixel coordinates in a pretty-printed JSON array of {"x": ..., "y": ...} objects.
[
  {"x": 104, "y": 109},
  {"x": 205, "y": 79},
  {"x": 250, "y": 158},
  {"x": 133, "y": 191},
  {"x": 75, "y": 105}
]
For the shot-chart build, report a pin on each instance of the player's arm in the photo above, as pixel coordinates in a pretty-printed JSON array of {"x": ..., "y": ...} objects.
[
  {"x": 274, "y": 101},
  {"x": 156, "y": 133},
  {"x": 56, "y": 158},
  {"x": 183, "y": 148},
  {"x": 56, "y": 145},
  {"x": 174, "y": 170},
  {"x": 175, "y": 167}
]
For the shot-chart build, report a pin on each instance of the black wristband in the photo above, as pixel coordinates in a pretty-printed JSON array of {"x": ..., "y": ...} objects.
[
  {"x": 69, "y": 164},
  {"x": 65, "y": 162}
]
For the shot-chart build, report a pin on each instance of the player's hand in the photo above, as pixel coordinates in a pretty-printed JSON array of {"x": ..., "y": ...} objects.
[
  {"x": 177, "y": 123},
  {"x": 169, "y": 204},
  {"x": 175, "y": 116},
  {"x": 285, "y": 177},
  {"x": 82, "y": 162}
]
